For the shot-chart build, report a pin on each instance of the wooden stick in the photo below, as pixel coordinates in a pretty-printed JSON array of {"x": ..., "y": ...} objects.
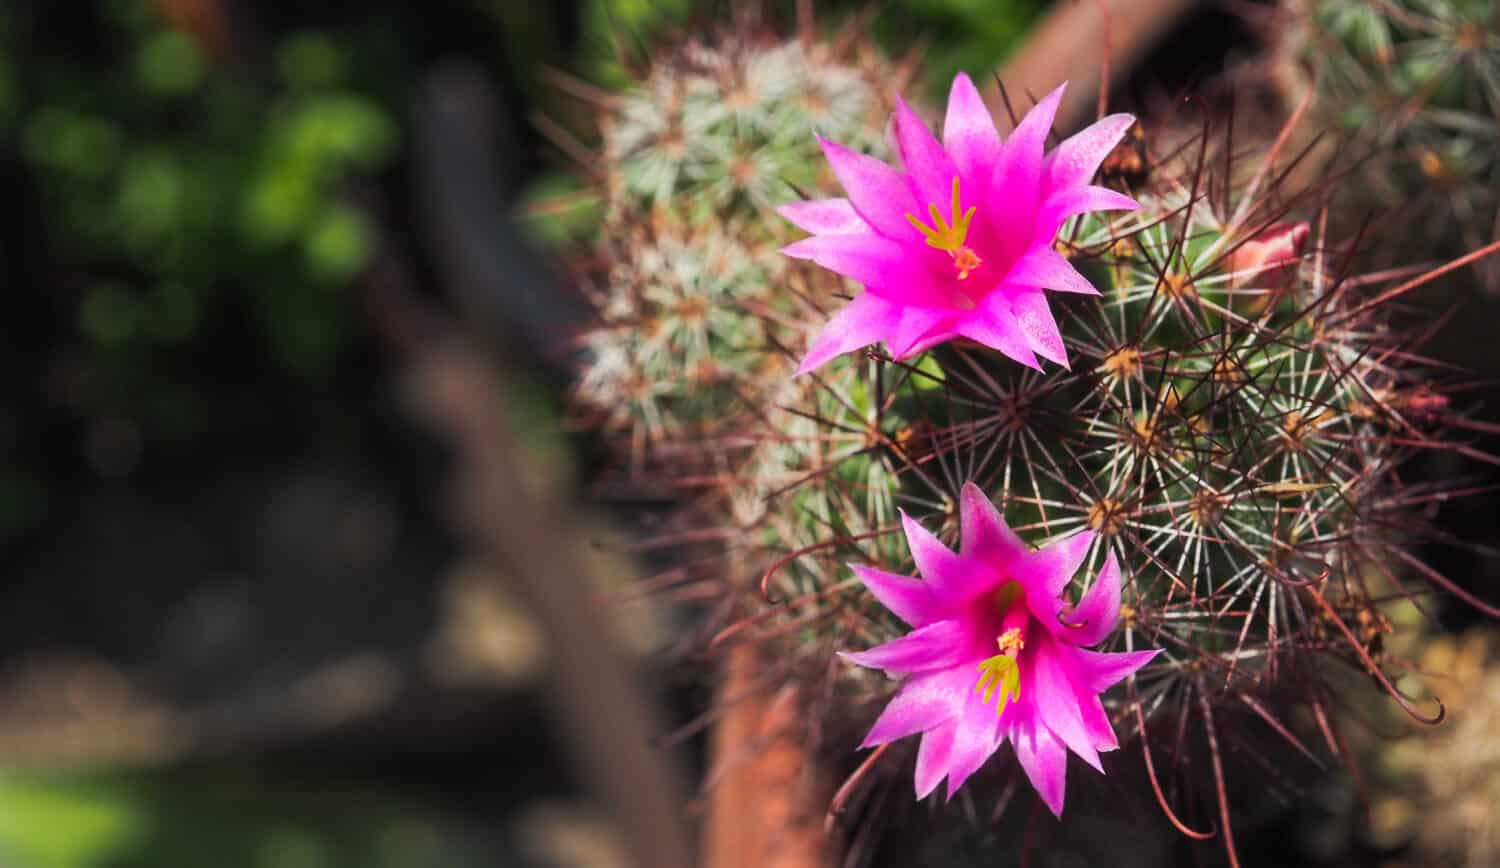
[
  {"x": 608, "y": 721},
  {"x": 760, "y": 812},
  {"x": 1077, "y": 40},
  {"x": 207, "y": 20}
]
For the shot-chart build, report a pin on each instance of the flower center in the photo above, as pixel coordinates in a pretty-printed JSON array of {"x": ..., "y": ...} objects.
[
  {"x": 965, "y": 260},
  {"x": 949, "y": 234},
  {"x": 1003, "y": 671}
]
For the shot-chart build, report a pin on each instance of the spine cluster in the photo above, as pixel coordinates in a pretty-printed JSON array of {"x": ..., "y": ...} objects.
[{"x": 1412, "y": 88}]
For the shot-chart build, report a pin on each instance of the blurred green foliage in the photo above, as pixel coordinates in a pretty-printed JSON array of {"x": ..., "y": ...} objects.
[
  {"x": 194, "y": 236},
  {"x": 615, "y": 28},
  {"x": 970, "y": 35},
  {"x": 185, "y": 192},
  {"x": 187, "y": 214},
  {"x": 223, "y": 817},
  {"x": 973, "y": 36}
]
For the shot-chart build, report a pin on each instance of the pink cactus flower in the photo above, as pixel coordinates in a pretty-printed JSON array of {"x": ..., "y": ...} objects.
[
  {"x": 996, "y": 653},
  {"x": 957, "y": 243}
]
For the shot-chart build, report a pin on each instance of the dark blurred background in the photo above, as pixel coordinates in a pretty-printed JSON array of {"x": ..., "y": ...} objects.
[
  {"x": 238, "y": 626},
  {"x": 237, "y": 629}
]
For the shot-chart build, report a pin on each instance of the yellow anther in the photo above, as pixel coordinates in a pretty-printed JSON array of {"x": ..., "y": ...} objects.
[
  {"x": 1010, "y": 642},
  {"x": 965, "y": 260}
]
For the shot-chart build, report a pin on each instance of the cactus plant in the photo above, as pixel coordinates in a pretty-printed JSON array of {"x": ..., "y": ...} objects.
[
  {"x": 717, "y": 130},
  {"x": 1416, "y": 85},
  {"x": 1232, "y": 429}
]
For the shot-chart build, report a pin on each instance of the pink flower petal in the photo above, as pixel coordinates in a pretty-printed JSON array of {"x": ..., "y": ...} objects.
[
  {"x": 897, "y": 272},
  {"x": 1045, "y": 268},
  {"x": 954, "y": 580},
  {"x": 1034, "y": 317},
  {"x": 1044, "y": 759},
  {"x": 1023, "y": 150},
  {"x": 932, "y": 757},
  {"x": 1056, "y": 701},
  {"x": 942, "y": 333},
  {"x": 929, "y": 169},
  {"x": 922, "y": 702},
  {"x": 1094, "y": 618},
  {"x": 1070, "y": 201},
  {"x": 1077, "y": 159},
  {"x": 1100, "y": 671},
  {"x": 1018, "y": 176},
  {"x": 938, "y": 645},
  {"x": 931, "y": 556},
  {"x": 909, "y": 599},
  {"x": 866, "y": 320},
  {"x": 969, "y": 133},
  {"x": 977, "y": 737},
  {"x": 878, "y": 192},
  {"x": 975, "y": 741},
  {"x": 998, "y": 330},
  {"x": 984, "y": 535},
  {"x": 825, "y": 217},
  {"x": 868, "y": 259},
  {"x": 1049, "y": 569},
  {"x": 1079, "y": 666},
  {"x": 1101, "y": 734},
  {"x": 913, "y": 329}
]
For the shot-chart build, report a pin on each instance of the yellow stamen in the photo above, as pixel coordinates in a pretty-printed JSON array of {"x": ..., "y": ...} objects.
[
  {"x": 1003, "y": 670},
  {"x": 949, "y": 234},
  {"x": 999, "y": 671}
]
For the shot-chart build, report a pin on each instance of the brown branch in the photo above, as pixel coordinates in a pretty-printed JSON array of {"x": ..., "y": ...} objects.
[
  {"x": 758, "y": 812},
  {"x": 1076, "y": 40},
  {"x": 608, "y": 721},
  {"x": 207, "y": 20}
]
